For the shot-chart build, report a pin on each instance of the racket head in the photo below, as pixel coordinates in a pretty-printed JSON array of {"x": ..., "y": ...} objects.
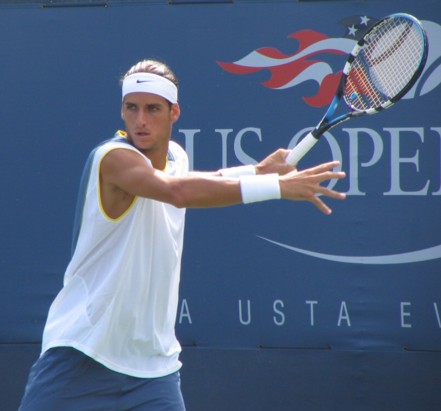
[{"x": 384, "y": 64}]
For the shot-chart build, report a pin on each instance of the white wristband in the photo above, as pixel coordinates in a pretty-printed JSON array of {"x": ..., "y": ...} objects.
[
  {"x": 259, "y": 188},
  {"x": 235, "y": 172}
]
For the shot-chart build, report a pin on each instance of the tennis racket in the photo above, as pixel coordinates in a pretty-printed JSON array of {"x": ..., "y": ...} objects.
[{"x": 381, "y": 68}]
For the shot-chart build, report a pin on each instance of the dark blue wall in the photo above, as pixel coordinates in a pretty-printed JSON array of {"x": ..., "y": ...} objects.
[{"x": 282, "y": 308}]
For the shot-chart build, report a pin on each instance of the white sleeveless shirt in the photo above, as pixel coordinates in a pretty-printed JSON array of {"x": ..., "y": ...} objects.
[{"x": 119, "y": 300}]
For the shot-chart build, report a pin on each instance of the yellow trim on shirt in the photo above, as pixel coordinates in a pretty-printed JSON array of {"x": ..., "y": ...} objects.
[{"x": 99, "y": 191}]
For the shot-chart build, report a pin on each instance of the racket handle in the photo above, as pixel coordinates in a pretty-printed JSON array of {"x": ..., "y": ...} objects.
[{"x": 301, "y": 149}]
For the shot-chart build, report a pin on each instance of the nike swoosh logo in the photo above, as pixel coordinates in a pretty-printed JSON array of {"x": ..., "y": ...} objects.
[{"x": 143, "y": 81}]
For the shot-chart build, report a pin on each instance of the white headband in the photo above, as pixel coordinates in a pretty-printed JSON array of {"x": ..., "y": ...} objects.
[{"x": 150, "y": 83}]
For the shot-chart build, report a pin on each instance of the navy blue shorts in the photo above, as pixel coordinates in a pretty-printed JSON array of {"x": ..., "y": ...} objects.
[{"x": 66, "y": 379}]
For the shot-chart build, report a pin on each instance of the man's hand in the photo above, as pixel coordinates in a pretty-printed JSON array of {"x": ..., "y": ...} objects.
[
  {"x": 305, "y": 185},
  {"x": 275, "y": 163}
]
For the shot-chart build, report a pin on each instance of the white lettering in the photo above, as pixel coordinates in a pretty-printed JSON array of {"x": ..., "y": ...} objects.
[
  {"x": 311, "y": 311},
  {"x": 354, "y": 155},
  {"x": 344, "y": 315},
  {"x": 400, "y": 164},
  {"x": 396, "y": 160},
  {"x": 438, "y": 130},
  {"x": 278, "y": 321},
  {"x": 185, "y": 312},
  {"x": 248, "y": 320},
  {"x": 189, "y": 145},
  {"x": 435, "y": 306},
  {"x": 405, "y": 314},
  {"x": 238, "y": 150},
  {"x": 224, "y": 135}
]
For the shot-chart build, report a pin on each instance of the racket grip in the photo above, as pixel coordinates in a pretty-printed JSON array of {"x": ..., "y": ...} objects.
[{"x": 301, "y": 149}]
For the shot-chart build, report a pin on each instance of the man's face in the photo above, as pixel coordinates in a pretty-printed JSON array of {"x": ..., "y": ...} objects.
[{"x": 149, "y": 120}]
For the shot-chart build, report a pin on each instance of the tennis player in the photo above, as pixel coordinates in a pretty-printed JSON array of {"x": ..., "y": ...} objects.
[{"x": 109, "y": 341}]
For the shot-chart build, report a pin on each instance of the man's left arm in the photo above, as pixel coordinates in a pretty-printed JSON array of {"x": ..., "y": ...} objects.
[{"x": 274, "y": 163}]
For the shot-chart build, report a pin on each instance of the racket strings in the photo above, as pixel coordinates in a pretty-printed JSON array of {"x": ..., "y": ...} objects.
[{"x": 384, "y": 66}]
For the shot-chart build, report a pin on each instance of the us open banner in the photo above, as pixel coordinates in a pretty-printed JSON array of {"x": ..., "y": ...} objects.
[{"x": 368, "y": 276}]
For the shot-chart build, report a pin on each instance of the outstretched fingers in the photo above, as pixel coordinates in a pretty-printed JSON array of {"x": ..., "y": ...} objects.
[
  {"x": 322, "y": 168},
  {"x": 307, "y": 185},
  {"x": 319, "y": 203},
  {"x": 324, "y": 173}
]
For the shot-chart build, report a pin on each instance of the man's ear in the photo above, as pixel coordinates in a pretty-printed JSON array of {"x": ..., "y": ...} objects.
[{"x": 175, "y": 112}]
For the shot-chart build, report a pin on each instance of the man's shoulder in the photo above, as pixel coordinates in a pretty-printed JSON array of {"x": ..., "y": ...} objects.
[
  {"x": 177, "y": 159},
  {"x": 176, "y": 150},
  {"x": 118, "y": 141}
]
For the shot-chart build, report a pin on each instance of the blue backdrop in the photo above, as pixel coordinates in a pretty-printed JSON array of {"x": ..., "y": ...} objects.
[{"x": 282, "y": 308}]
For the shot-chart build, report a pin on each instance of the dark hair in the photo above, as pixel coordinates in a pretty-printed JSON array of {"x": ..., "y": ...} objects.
[{"x": 154, "y": 67}]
